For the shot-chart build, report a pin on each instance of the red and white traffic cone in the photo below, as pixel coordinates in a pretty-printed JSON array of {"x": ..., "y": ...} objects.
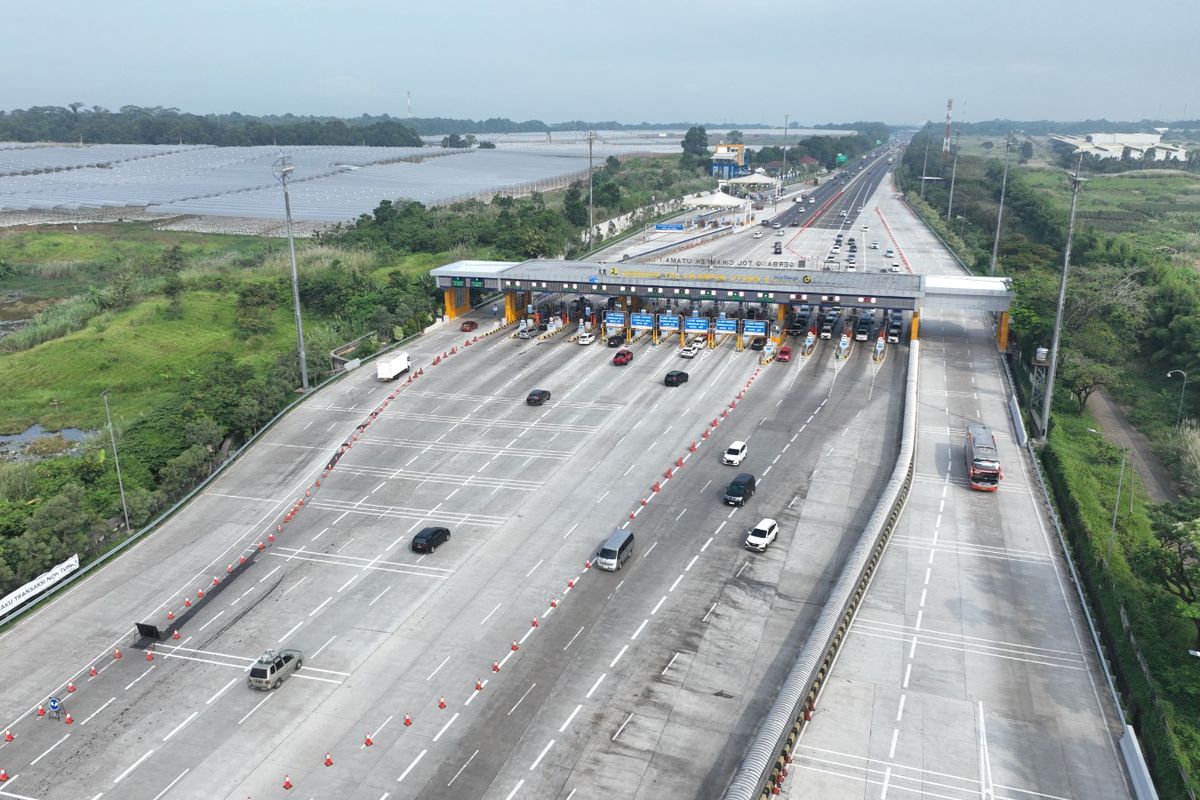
[
  {"x": 478, "y": 685},
  {"x": 495, "y": 666},
  {"x": 368, "y": 741},
  {"x": 117, "y": 653},
  {"x": 441, "y": 702},
  {"x": 92, "y": 671},
  {"x": 3, "y": 775},
  {"x": 328, "y": 760},
  {"x": 8, "y": 736},
  {"x": 149, "y": 655},
  {"x": 407, "y": 721},
  {"x": 70, "y": 687},
  {"x": 534, "y": 624},
  {"x": 68, "y": 718},
  {"x": 287, "y": 782},
  {"x": 175, "y": 635},
  {"x": 41, "y": 712},
  {"x": 515, "y": 646}
]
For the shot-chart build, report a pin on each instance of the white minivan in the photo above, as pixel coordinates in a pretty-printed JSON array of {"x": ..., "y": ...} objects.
[{"x": 735, "y": 454}]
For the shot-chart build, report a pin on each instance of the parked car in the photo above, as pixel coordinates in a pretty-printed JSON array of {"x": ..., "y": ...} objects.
[
  {"x": 537, "y": 397},
  {"x": 675, "y": 377},
  {"x": 273, "y": 668},
  {"x": 623, "y": 357},
  {"x": 468, "y": 325},
  {"x": 761, "y": 535},
  {"x": 429, "y": 539}
]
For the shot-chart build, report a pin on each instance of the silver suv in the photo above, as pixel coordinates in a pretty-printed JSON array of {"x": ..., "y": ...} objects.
[{"x": 273, "y": 668}]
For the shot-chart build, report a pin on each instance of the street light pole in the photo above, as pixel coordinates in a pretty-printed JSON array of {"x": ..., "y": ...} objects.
[
  {"x": 925, "y": 165},
  {"x": 1112, "y": 530},
  {"x": 1000, "y": 212},
  {"x": 283, "y": 172},
  {"x": 1076, "y": 182},
  {"x": 1179, "y": 416},
  {"x": 953, "y": 170},
  {"x": 591, "y": 137},
  {"x": 116, "y": 458}
]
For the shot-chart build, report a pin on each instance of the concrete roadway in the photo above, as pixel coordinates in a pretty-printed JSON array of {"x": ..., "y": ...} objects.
[
  {"x": 629, "y": 684},
  {"x": 969, "y": 671}
]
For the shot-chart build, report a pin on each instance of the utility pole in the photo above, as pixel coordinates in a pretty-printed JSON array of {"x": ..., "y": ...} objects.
[
  {"x": 1076, "y": 182},
  {"x": 953, "y": 170},
  {"x": 283, "y": 172},
  {"x": 116, "y": 458},
  {"x": 1000, "y": 213},
  {"x": 783, "y": 172},
  {"x": 591, "y": 137},
  {"x": 925, "y": 166}
]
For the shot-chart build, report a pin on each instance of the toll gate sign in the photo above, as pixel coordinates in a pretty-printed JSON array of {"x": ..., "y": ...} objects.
[
  {"x": 614, "y": 319},
  {"x": 755, "y": 327},
  {"x": 727, "y": 325},
  {"x": 668, "y": 322},
  {"x": 641, "y": 321},
  {"x": 696, "y": 324}
]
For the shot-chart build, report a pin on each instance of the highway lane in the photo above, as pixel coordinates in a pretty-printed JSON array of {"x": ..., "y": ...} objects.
[{"x": 968, "y": 671}]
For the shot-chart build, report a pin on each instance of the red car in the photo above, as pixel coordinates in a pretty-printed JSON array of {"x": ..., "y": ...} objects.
[
  {"x": 785, "y": 354},
  {"x": 469, "y": 326},
  {"x": 623, "y": 357}
]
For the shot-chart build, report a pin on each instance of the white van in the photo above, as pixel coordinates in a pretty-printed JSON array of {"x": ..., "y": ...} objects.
[{"x": 616, "y": 551}]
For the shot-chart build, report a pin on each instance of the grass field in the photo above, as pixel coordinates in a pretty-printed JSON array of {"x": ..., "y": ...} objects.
[{"x": 139, "y": 354}]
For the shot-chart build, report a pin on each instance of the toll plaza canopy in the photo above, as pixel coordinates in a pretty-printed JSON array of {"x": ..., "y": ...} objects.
[
  {"x": 725, "y": 280},
  {"x": 715, "y": 200}
]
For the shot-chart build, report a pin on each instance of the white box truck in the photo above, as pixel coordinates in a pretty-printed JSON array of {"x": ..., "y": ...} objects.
[{"x": 389, "y": 367}]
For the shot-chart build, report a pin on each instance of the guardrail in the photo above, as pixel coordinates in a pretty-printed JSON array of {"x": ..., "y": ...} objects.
[{"x": 770, "y": 749}]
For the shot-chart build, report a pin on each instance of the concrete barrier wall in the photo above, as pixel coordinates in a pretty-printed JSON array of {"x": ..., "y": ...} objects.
[{"x": 776, "y": 736}]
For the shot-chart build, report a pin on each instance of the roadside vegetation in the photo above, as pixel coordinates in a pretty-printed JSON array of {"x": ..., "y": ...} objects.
[{"x": 1132, "y": 314}]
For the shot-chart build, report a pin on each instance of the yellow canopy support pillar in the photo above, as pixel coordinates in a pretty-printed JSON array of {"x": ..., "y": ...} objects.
[
  {"x": 512, "y": 307},
  {"x": 916, "y": 323},
  {"x": 457, "y": 301},
  {"x": 780, "y": 317},
  {"x": 1002, "y": 332}
]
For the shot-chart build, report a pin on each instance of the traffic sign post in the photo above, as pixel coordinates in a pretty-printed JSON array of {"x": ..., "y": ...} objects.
[{"x": 55, "y": 706}]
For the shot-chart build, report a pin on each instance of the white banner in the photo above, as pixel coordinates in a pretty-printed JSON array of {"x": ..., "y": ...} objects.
[{"x": 39, "y": 584}]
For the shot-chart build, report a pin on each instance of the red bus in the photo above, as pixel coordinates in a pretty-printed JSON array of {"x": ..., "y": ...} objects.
[{"x": 983, "y": 459}]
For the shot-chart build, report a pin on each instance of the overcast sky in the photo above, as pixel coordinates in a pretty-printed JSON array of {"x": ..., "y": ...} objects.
[{"x": 652, "y": 60}]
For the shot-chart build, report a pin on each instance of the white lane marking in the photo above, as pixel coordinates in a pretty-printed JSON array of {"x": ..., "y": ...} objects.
[
  {"x": 324, "y": 603},
  {"x": 601, "y": 497},
  {"x": 410, "y": 767},
  {"x": 669, "y": 663},
  {"x": 516, "y": 789},
  {"x": 887, "y": 779},
  {"x": 322, "y": 647},
  {"x": 595, "y": 686},
  {"x": 623, "y": 724},
  {"x": 475, "y": 693},
  {"x": 377, "y": 488},
  {"x": 570, "y": 717},
  {"x": 613, "y": 663},
  {"x": 269, "y": 574},
  {"x": 900, "y": 710},
  {"x": 179, "y": 727},
  {"x": 568, "y": 644},
  {"x": 135, "y": 765},
  {"x": 706, "y": 544},
  {"x": 256, "y": 707},
  {"x": 288, "y": 591},
  {"x": 139, "y": 677},
  {"x": 676, "y": 583},
  {"x": 446, "y": 727},
  {"x": 319, "y": 535},
  {"x": 528, "y": 633},
  {"x": 460, "y": 769},
  {"x": 381, "y": 594},
  {"x": 493, "y": 611},
  {"x": 768, "y": 469},
  {"x": 541, "y": 755},
  {"x": 705, "y": 487},
  {"x": 43, "y": 755},
  {"x": 628, "y": 469},
  {"x": 573, "y": 527},
  {"x": 658, "y": 605},
  {"x": 681, "y": 513},
  {"x": 438, "y": 667},
  {"x": 690, "y": 563},
  {"x": 220, "y": 691},
  {"x": 708, "y": 613},
  {"x": 527, "y": 691},
  {"x": 178, "y": 778},
  {"x": 101, "y": 708},
  {"x": 211, "y": 621},
  {"x": 535, "y": 566},
  {"x": 907, "y": 674},
  {"x": 651, "y": 548},
  {"x": 639, "y": 630},
  {"x": 741, "y": 569},
  {"x": 895, "y": 738}
]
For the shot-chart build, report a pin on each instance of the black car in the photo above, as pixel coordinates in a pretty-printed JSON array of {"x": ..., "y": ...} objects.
[
  {"x": 429, "y": 539},
  {"x": 758, "y": 343},
  {"x": 537, "y": 397},
  {"x": 616, "y": 340},
  {"x": 675, "y": 377}
]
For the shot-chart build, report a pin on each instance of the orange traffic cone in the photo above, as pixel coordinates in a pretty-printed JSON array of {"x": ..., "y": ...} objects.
[
  {"x": 92, "y": 670},
  {"x": 3, "y": 775},
  {"x": 68, "y": 718},
  {"x": 70, "y": 687},
  {"x": 41, "y": 712},
  {"x": 495, "y": 666},
  {"x": 515, "y": 647},
  {"x": 117, "y": 653},
  {"x": 478, "y": 685},
  {"x": 8, "y": 736}
]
